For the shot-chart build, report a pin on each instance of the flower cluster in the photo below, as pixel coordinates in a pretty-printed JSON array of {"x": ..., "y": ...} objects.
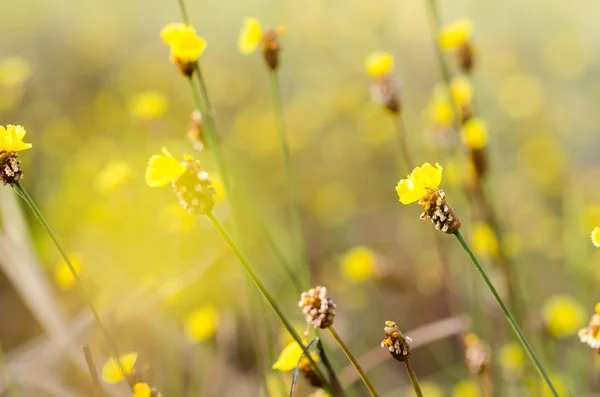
[
  {"x": 457, "y": 35},
  {"x": 590, "y": 335},
  {"x": 112, "y": 372},
  {"x": 397, "y": 344},
  {"x": 317, "y": 307},
  {"x": 384, "y": 89},
  {"x": 186, "y": 46},
  {"x": 11, "y": 142},
  {"x": 253, "y": 34}
]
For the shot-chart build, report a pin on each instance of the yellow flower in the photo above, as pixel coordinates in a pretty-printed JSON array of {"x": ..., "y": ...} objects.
[
  {"x": 148, "y": 105},
  {"x": 114, "y": 174},
  {"x": 141, "y": 390},
  {"x": 563, "y": 316},
  {"x": 11, "y": 138},
  {"x": 379, "y": 63},
  {"x": 456, "y": 34},
  {"x": 63, "y": 275},
  {"x": 511, "y": 357},
  {"x": 162, "y": 169},
  {"x": 250, "y": 36},
  {"x": 289, "y": 357},
  {"x": 415, "y": 186},
  {"x": 461, "y": 90},
  {"x": 596, "y": 237},
  {"x": 485, "y": 242},
  {"x": 441, "y": 112},
  {"x": 111, "y": 371},
  {"x": 428, "y": 389},
  {"x": 466, "y": 388},
  {"x": 201, "y": 324},
  {"x": 14, "y": 71},
  {"x": 186, "y": 46},
  {"x": 358, "y": 264},
  {"x": 597, "y": 308},
  {"x": 474, "y": 133}
]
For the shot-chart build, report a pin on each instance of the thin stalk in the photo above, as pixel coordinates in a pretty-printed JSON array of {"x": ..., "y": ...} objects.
[
  {"x": 96, "y": 384},
  {"x": 507, "y": 313},
  {"x": 292, "y": 195},
  {"x": 6, "y": 377},
  {"x": 413, "y": 378},
  {"x": 355, "y": 363},
  {"x": 86, "y": 295},
  {"x": 259, "y": 284}
]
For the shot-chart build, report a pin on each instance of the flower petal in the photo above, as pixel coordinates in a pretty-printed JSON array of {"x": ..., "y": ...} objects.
[
  {"x": 379, "y": 63},
  {"x": 111, "y": 371},
  {"x": 409, "y": 192},
  {"x": 427, "y": 176},
  {"x": 250, "y": 36},
  {"x": 162, "y": 169}
]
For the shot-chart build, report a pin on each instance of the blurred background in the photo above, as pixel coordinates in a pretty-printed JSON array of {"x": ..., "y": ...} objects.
[{"x": 92, "y": 84}]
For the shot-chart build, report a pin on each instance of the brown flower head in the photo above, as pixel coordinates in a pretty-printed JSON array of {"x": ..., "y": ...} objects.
[
  {"x": 317, "y": 307},
  {"x": 478, "y": 355},
  {"x": 397, "y": 344}
]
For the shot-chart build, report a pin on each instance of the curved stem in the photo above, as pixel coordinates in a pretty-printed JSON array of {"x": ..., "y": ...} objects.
[
  {"x": 86, "y": 295},
  {"x": 507, "y": 313},
  {"x": 355, "y": 363},
  {"x": 413, "y": 378}
]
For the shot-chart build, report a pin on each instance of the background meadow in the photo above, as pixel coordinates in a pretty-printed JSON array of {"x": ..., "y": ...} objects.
[{"x": 93, "y": 85}]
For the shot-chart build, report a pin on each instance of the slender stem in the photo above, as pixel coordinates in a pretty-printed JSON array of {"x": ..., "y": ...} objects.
[
  {"x": 292, "y": 195},
  {"x": 355, "y": 363},
  {"x": 413, "y": 378},
  {"x": 6, "y": 377},
  {"x": 96, "y": 384},
  {"x": 86, "y": 295},
  {"x": 259, "y": 284},
  {"x": 507, "y": 313}
]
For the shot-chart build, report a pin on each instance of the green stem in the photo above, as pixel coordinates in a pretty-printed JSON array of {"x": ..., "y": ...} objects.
[
  {"x": 86, "y": 295},
  {"x": 413, "y": 378},
  {"x": 96, "y": 384},
  {"x": 507, "y": 313},
  {"x": 292, "y": 195},
  {"x": 259, "y": 284},
  {"x": 355, "y": 363},
  {"x": 6, "y": 377}
]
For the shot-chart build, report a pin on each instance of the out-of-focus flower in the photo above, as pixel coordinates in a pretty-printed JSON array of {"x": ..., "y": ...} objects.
[
  {"x": 441, "y": 111},
  {"x": 485, "y": 242},
  {"x": 289, "y": 357},
  {"x": 379, "y": 63},
  {"x": 559, "y": 384},
  {"x": 14, "y": 71},
  {"x": 428, "y": 389},
  {"x": 111, "y": 371},
  {"x": 520, "y": 96},
  {"x": 141, "y": 389},
  {"x": 11, "y": 142},
  {"x": 596, "y": 237},
  {"x": 461, "y": 90},
  {"x": 63, "y": 275},
  {"x": 162, "y": 169},
  {"x": 201, "y": 324},
  {"x": 466, "y": 388},
  {"x": 358, "y": 263},
  {"x": 563, "y": 316},
  {"x": 186, "y": 46},
  {"x": 148, "y": 105},
  {"x": 115, "y": 174},
  {"x": 590, "y": 335},
  {"x": 478, "y": 355},
  {"x": 456, "y": 34},
  {"x": 252, "y": 34},
  {"x": 318, "y": 308},
  {"x": 11, "y": 138},
  {"x": 416, "y": 185},
  {"x": 474, "y": 133},
  {"x": 511, "y": 359}
]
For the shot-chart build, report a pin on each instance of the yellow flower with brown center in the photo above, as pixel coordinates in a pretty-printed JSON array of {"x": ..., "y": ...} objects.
[
  {"x": 250, "y": 36},
  {"x": 416, "y": 185},
  {"x": 11, "y": 138},
  {"x": 379, "y": 63},
  {"x": 456, "y": 34},
  {"x": 186, "y": 45},
  {"x": 596, "y": 237},
  {"x": 141, "y": 389},
  {"x": 112, "y": 372}
]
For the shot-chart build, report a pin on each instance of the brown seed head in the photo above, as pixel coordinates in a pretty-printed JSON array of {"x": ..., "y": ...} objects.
[
  {"x": 397, "y": 344},
  {"x": 195, "y": 131},
  {"x": 309, "y": 372},
  {"x": 318, "y": 309},
  {"x": 478, "y": 355},
  {"x": 479, "y": 157},
  {"x": 271, "y": 47},
  {"x": 194, "y": 189},
  {"x": 384, "y": 91},
  {"x": 10, "y": 170},
  {"x": 441, "y": 214},
  {"x": 466, "y": 57}
]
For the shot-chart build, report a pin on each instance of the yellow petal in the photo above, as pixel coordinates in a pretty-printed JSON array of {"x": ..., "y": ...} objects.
[
  {"x": 358, "y": 264},
  {"x": 596, "y": 237},
  {"x": 461, "y": 90},
  {"x": 379, "y": 63},
  {"x": 289, "y": 357},
  {"x": 186, "y": 46},
  {"x": 141, "y": 390},
  {"x": 563, "y": 316},
  {"x": 171, "y": 31},
  {"x": 250, "y": 36},
  {"x": 111, "y": 371},
  {"x": 201, "y": 324},
  {"x": 474, "y": 133},
  {"x": 11, "y": 138},
  {"x": 456, "y": 34},
  {"x": 427, "y": 176},
  {"x": 162, "y": 169},
  {"x": 409, "y": 192}
]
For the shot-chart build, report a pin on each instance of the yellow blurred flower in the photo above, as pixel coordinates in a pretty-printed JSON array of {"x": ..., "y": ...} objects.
[
  {"x": 441, "y": 112},
  {"x": 148, "y": 105},
  {"x": 358, "y": 264},
  {"x": 428, "y": 389},
  {"x": 162, "y": 169},
  {"x": 250, "y": 36},
  {"x": 289, "y": 357},
  {"x": 456, "y": 34},
  {"x": 461, "y": 90},
  {"x": 201, "y": 324},
  {"x": 14, "y": 71},
  {"x": 115, "y": 173},
  {"x": 511, "y": 357},
  {"x": 466, "y": 388},
  {"x": 415, "y": 186},
  {"x": 596, "y": 237},
  {"x": 520, "y": 96},
  {"x": 379, "y": 63},
  {"x": 63, "y": 275},
  {"x": 563, "y": 316},
  {"x": 186, "y": 46},
  {"x": 141, "y": 390},
  {"x": 111, "y": 371},
  {"x": 11, "y": 138},
  {"x": 485, "y": 242},
  {"x": 474, "y": 133},
  {"x": 559, "y": 385}
]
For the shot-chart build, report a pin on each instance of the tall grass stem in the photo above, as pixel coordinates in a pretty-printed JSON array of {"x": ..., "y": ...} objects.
[{"x": 413, "y": 378}]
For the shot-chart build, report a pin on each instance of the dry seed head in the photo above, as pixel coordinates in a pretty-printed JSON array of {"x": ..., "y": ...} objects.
[
  {"x": 271, "y": 47},
  {"x": 478, "y": 355},
  {"x": 10, "y": 170},
  {"x": 441, "y": 214},
  {"x": 309, "y": 372},
  {"x": 195, "y": 131},
  {"x": 194, "y": 189},
  {"x": 590, "y": 335},
  {"x": 384, "y": 91},
  {"x": 479, "y": 159},
  {"x": 466, "y": 57},
  {"x": 397, "y": 344},
  {"x": 318, "y": 309}
]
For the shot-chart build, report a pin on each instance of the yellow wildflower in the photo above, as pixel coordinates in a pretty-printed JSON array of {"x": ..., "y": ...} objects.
[
  {"x": 456, "y": 34},
  {"x": 441, "y": 112},
  {"x": 11, "y": 138},
  {"x": 162, "y": 169},
  {"x": 415, "y": 186},
  {"x": 141, "y": 390},
  {"x": 485, "y": 242},
  {"x": 474, "y": 133},
  {"x": 115, "y": 173},
  {"x": 186, "y": 46},
  {"x": 201, "y": 324},
  {"x": 461, "y": 90},
  {"x": 511, "y": 357},
  {"x": 563, "y": 316},
  {"x": 289, "y": 357},
  {"x": 358, "y": 264},
  {"x": 14, "y": 71},
  {"x": 63, "y": 275},
  {"x": 111, "y": 371},
  {"x": 466, "y": 388},
  {"x": 148, "y": 105},
  {"x": 250, "y": 36},
  {"x": 379, "y": 63},
  {"x": 596, "y": 237}
]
